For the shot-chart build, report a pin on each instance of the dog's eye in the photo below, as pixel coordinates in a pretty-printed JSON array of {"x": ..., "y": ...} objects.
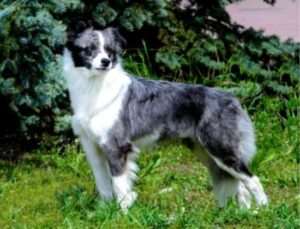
[
  {"x": 108, "y": 49},
  {"x": 88, "y": 51},
  {"x": 109, "y": 54}
]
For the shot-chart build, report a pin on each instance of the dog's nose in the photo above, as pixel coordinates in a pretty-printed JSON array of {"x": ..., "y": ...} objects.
[{"x": 105, "y": 62}]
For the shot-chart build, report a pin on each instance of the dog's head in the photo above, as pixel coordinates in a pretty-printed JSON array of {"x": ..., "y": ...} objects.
[{"x": 95, "y": 49}]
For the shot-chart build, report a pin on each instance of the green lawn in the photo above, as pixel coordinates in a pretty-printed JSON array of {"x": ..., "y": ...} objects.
[{"x": 51, "y": 189}]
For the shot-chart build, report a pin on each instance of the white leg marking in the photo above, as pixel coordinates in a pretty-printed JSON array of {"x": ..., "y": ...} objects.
[
  {"x": 122, "y": 189},
  {"x": 243, "y": 196},
  {"x": 131, "y": 171},
  {"x": 254, "y": 186},
  {"x": 100, "y": 168}
]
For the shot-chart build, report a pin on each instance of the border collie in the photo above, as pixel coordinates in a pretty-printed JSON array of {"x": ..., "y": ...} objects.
[{"x": 116, "y": 114}]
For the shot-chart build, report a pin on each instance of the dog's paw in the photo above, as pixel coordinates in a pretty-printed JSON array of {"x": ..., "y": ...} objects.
[
  {"x": 262, "y": 200},
  {"x": 127, "y": 200}
]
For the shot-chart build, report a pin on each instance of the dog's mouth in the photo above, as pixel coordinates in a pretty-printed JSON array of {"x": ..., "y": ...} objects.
[{"x": 102, "y": 68}]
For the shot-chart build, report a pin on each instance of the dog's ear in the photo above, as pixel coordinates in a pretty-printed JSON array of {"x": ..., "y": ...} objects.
[
  {"x": 119, "y": 38},
  {"x": 81, "y": 26},
  {"x": 116, "y": 36},
  {"x": 75, "y": 28}
]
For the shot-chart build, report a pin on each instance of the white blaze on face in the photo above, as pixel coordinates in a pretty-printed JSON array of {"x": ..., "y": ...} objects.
[{"x": 96, "y": 63}]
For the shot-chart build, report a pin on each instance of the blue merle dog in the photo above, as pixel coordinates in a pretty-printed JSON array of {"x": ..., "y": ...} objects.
[{"x": 116, "y": 114}]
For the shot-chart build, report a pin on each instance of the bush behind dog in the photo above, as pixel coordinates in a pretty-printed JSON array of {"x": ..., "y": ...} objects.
[{"x": 196, "y": 43}]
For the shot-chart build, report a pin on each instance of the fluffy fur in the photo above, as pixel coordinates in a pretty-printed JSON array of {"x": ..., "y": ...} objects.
[{"x": 115, "y": 114}]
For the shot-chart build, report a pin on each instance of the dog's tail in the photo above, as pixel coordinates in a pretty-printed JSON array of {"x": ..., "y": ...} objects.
[{"x": 224, "y": 186}]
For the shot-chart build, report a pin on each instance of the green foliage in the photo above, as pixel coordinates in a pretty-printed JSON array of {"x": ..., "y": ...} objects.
[
  {"x": 194, "y": 42},
  {"x": 30, "y": 70},
  {"x": 75, "y": 199}
]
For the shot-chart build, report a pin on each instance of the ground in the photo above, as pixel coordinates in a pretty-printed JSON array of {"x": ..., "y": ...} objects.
[{"x": 55, "y": 188}]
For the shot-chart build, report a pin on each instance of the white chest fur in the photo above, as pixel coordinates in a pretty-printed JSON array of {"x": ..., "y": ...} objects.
[{"x": 96, "y": 98}]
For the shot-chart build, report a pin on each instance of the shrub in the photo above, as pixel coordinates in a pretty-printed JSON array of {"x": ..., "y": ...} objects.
[{"x": 194, "y": 41}]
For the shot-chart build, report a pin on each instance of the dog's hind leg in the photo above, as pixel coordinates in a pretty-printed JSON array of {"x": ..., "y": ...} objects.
[
  {"x": 226, "y": 133},
  {"x": 99, "y": 166},
  {"x": 224, "y": 185},
  {"x": 236, "y": 168},
  {"x": 232, "y": 179}
]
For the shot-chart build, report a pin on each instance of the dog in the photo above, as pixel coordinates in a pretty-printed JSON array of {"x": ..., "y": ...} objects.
[{"x": 116, "y": 114}]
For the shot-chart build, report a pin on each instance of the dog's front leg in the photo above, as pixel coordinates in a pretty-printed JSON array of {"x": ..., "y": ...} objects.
[
  {"x": 122, "y": 171},
  {"x": 99, "y": 165}
]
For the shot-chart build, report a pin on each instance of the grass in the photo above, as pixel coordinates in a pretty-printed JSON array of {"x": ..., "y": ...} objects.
[{"x": 54, "y": 189}]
